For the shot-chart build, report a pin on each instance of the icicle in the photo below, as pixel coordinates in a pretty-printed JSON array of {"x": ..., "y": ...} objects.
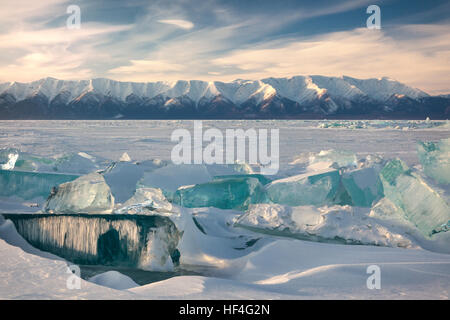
[{"x": 139, "y": 241}]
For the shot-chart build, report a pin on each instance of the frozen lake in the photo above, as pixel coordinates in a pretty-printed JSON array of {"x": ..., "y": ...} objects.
[{"x": 150, "y": 139}]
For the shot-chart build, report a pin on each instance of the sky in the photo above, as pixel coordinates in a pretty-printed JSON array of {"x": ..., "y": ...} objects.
[{"x": 224, "y": 40}]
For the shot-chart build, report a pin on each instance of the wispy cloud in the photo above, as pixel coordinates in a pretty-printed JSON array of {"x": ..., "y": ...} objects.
[
  {"x": 183, "y": 24},
  {"x": 56, "y": 52},
  {"x": 146, "y": 66},
  {"x": 54, "y": 63},
  {"x": 27, "y": 38}
]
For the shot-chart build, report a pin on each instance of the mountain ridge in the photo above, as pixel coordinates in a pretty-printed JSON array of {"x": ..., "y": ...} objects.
[{"x": 299, "y": 97}]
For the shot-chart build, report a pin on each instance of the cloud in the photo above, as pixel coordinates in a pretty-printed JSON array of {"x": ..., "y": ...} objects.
[
  {"x": 417, "y": 55},
  {"x": 183, "y": 24},
  {"x": 56, "y": 52},
  {"x": 26, "y": 39},
  {"x": 48, "y": 63},
  {"x": 24, "y": 10},
  {"x": 147, "y": 66}
]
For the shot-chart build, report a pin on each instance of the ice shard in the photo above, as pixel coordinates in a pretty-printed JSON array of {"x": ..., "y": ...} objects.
[
  {"x": 316, "y": 188},
  {"x": 419, "y": 203},
  {"x": 226, "y": 193},
  {"x": 86, "y": 194},
  {"x": 125, "y": 158},
  {"x": 340, "y": 158},
  {"x": 122, "y": 178},
  {"x": 146, "y": 201},
  {"x": 435, "y": 159},
  {"x": 145, "y": 242},
  {"x": 30, "y": 185},
  {"x": 8, "y": 158},
  {"x": 326, "y": 158},
  {"x": 363, "y": 185}
]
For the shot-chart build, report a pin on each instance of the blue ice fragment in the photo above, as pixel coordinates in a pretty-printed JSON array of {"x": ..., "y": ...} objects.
[
  {"x": 226, "y": 193},
  {"x": 305, "y": 189},
  {"x": 30, "y": 185}
]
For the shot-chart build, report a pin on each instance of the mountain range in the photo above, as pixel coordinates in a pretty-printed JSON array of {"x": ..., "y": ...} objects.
[{"x": 299, "y": 97}]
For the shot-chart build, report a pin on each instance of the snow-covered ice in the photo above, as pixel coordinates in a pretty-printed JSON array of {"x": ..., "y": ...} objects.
[
  {"x": 342, "y": 200},
  {"x": 114, "y": 280},
  {"x": 315, "y": 271},
  {"x": 146, "y": 201},
  {"x": 343, "y": 224}
]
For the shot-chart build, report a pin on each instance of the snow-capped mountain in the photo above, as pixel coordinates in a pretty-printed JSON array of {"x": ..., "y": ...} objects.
[{"x": 296, "y": 97}]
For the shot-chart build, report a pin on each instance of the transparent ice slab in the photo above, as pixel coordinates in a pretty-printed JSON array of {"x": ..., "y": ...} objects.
[
  {"x": 317, "y": 188},
  {"x": 418, "y": 202},
  {"x": 435, "y": 159},
  {"x": 86, "y": 194},
  {"x": 363, "y": 186},
  {"x": 30, "y": 185},
  {"x": 225, "y": 193}
]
